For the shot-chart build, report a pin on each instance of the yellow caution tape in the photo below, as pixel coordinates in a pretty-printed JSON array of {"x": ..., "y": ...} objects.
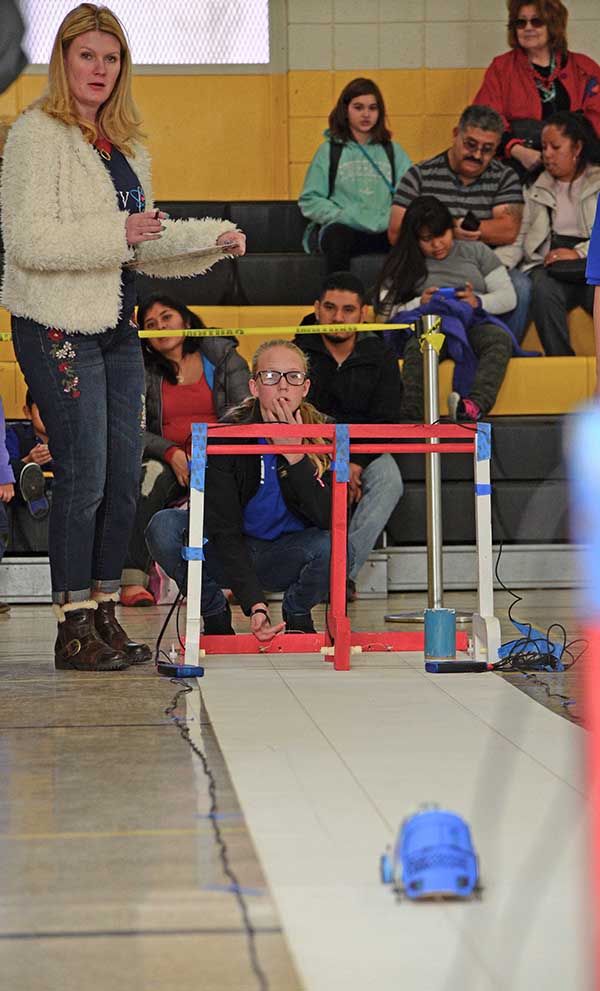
[
  {"x": 263, "y": 331},
  {"x": 275, "y": 331},
  {"x": 435, "y": 339}
]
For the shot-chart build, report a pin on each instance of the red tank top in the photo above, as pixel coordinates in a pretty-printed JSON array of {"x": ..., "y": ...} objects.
[{"x": 184, "y": 405}]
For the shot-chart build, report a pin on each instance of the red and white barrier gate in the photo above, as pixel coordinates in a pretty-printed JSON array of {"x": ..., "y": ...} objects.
[{"x": 339, "y": 641}]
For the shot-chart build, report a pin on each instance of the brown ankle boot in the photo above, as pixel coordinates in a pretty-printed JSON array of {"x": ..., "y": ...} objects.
[
  {"x": 113, "y": 634},
  {"x": 79, "y": 647}
]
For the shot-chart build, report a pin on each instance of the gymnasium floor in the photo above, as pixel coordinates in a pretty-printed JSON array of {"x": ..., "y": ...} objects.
[{"x": 113, "y": 861}]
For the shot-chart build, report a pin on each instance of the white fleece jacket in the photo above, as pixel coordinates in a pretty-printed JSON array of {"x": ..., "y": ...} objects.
[{"x": 64, "y": 235}]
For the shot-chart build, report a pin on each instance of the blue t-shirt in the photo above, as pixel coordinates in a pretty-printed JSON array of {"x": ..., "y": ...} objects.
[
  {"x": 131, "y": 198},
  {"x": 592, "y": 270},
  {"x": 266, "y": 516}
]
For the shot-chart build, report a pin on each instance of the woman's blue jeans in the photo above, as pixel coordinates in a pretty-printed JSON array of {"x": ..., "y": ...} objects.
[
  {"x": 296, "y": 564},
  {"x": 90, "y": 390}
]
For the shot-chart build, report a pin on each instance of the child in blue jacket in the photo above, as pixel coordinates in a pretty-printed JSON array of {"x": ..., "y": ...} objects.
[{"x": 7, "y": 490}]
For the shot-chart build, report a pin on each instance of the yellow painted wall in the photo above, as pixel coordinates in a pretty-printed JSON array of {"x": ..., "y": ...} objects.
[{"x": 252, "y": 136}]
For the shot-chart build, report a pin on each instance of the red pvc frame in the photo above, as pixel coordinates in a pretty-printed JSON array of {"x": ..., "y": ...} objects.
[{"x": 451, "y": 439}]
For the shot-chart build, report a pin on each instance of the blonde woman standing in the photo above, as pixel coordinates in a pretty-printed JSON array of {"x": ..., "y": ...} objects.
[
  {"x": 266, "y": 516},
  {"x": 76, "y": 208}
]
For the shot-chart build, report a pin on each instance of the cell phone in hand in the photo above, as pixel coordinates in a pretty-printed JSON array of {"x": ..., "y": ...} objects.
[
  {"x": 470, "y": 222},
  {"x": 450, "y": 292}
]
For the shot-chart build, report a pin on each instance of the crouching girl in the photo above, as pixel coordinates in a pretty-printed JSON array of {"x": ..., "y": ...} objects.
[{"x": 266, "y": 516}]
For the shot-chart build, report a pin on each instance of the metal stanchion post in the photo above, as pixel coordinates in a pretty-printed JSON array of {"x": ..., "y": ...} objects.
[
  {"x": 433, "y": 485},
  {"x": 433, "y": 478}
]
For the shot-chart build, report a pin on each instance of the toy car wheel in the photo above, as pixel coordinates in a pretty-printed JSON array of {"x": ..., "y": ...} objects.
[{"x": 385, "y": 869}]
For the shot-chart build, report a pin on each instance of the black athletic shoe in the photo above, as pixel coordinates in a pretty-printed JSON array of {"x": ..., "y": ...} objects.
[
  {"x": 32, "y": 486},
  {"x": 298, "y": 622}
]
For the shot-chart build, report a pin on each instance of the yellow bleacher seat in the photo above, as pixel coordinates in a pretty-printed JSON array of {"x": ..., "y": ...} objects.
[{"x": 531, "y": 385}]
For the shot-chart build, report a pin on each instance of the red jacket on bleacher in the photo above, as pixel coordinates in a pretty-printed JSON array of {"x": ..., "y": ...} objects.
[{"x": 509, "y": 87}]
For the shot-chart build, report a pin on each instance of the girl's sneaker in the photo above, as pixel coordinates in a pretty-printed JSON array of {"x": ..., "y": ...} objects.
[{"x": 462, "y": 409}]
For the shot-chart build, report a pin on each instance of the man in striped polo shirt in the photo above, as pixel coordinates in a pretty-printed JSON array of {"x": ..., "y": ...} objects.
[{"x": 468, "y": 179}]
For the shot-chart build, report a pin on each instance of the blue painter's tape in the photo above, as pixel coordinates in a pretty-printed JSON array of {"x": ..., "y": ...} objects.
[
  {"x": 342, "y": 452},
  {"x": 482, "y": 490},
  {"x": 198, "y": 460},
  {"x": 192, "y": 554},
  {"x": 484, "y": 441}
]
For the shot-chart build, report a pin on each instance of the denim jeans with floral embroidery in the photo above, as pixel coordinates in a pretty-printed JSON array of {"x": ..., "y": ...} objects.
[{"x": 90, "y": 391}]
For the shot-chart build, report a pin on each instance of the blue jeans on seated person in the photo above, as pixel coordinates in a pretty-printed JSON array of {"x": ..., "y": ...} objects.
[
  {"x": 296, "y": 564},
  {"x": 517, "y": 319},
  {"x": 382, "y": 487}
]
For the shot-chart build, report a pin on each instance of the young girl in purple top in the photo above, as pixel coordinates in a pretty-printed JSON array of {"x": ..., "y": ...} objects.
[{"x": 7, "y": 490}]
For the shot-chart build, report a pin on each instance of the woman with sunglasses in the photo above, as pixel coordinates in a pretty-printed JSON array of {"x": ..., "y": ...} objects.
[
  {"x": 536, "y": 79},
  {"x": 266, "y": 516}
]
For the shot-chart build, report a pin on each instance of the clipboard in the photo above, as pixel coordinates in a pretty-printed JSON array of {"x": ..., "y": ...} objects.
[{"x": 185, "y": 255}]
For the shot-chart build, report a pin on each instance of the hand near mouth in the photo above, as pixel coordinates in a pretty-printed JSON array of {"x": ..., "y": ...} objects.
[{"x": 281, "y": 412}]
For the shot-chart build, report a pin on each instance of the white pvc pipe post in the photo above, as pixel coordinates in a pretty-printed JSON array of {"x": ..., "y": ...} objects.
[
  {"x": 486, "y": 627},
  {"x": 195, "y": 540}
]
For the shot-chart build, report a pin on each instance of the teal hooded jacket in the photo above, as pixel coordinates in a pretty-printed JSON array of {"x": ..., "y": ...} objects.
[{"x": 362, "y": 197}]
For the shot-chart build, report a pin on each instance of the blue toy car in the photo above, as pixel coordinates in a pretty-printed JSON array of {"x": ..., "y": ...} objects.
[{"x": 433, "y": 857}]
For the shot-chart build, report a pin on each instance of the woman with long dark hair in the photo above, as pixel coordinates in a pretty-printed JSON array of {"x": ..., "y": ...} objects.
[
  {"x": 188, "y": 380},
  {"x": 426, "y": 259},
  {"x": 557, "y": 224},
  {"x": 348, "y": 189}
]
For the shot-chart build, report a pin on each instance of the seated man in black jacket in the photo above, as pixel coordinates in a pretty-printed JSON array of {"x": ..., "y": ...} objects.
[
  {"x": 266, "y": 516},
  {"x": 355, "y": 378}
]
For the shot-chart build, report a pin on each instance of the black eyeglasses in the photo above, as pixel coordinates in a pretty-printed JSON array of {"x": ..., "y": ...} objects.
[
  {"x": 485, "y": 149},
  {"x": 271, "y": 377},
  {"x": 521, "y": 22}
]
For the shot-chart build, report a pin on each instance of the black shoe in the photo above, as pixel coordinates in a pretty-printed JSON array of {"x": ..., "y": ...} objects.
[
  {"x": 32, "y": 485},
  {"x": 220, "y": 624},
  {"x": 113, "y": 634},
  {"x": 298, "y": 622}
]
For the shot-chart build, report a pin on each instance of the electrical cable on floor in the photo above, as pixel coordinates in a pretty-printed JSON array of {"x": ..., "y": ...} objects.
[
  {"x": 185, "y": 689},
  {"x": 157, "y": 652},
  {"x": 530, "y": 654}
]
